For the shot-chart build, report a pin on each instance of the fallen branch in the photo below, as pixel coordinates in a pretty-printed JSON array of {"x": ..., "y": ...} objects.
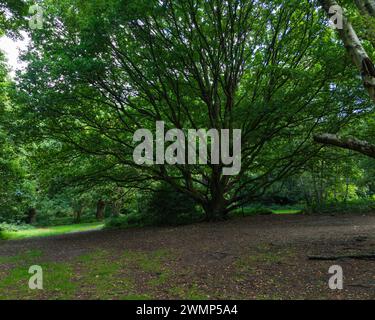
[
  {"x": 360, "y": 285},
  {"x": 366, "y": 256}
]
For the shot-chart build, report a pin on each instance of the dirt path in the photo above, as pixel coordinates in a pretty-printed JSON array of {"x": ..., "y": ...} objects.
[{"x": 247, "y": 258}]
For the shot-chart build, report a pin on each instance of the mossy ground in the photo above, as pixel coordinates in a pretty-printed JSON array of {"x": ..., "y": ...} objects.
[
  {"x": 100, "y": 274},
  {"x": 263, "y": 257}
]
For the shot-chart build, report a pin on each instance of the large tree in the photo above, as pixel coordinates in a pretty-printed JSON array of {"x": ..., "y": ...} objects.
[{"x": 99, "y": 70}]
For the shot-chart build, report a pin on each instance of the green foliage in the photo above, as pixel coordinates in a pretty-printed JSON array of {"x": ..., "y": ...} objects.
[
  {"x": 17, "y": 187},
  {"x": 166, "y": 206},
  {"x": 126, "y": 221},
  {"x": 99, "y": 70},
  {"x": 14, "y": 227},
  {"x": 360, "y": 206},
  {"x": 256, "y": 209}
]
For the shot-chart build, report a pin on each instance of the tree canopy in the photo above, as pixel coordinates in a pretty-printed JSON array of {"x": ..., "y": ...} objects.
[{"x": 100, "y": 70}]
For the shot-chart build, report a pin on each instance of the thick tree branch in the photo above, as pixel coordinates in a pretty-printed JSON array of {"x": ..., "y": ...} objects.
[{"x": 347, "y": 143}]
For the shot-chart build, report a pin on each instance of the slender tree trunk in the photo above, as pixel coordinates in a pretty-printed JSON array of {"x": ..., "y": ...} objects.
[
  {"x": 77, "y": 214},
  {"x": 335, "y": 184},
  {"x": 100, "y": 209},
  {"x": 31, "y": 215},
  {"x": 116, "y": 208},
  {"x": 347, "y": 183}
]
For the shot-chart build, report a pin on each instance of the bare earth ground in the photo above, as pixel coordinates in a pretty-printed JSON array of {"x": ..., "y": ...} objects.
[{"x": 263, "y": 257}]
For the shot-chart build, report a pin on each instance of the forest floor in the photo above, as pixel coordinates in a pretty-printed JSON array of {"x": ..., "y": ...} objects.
[{"x": 261, "y": 257}]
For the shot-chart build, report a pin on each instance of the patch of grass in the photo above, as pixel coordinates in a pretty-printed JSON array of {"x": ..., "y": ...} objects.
[
  {"x": 151, "y": 263},
  {"x": 136, "y": 297},
  {"x": 25, "y": 257},
  {"x": 108, "y": 277},
  {"x": 260, "y": 210},
  {"x": 56, "y": 282},
  {"x": 192, "y": 292},
  {"x": 161, "y": 278},
  {"x": 263, "y": 255},
  {"x": 51, "y": 231},
  {"x": 251, "y": 211},
  {"x": 15, "y": 285},
  {"x": 97, "y": 275},
  {"x": 287, "y": 211},
  {"x": 267, "y": 257},
  {"x": 268, "y": 297},
  {"x": 101, "y": 275}
]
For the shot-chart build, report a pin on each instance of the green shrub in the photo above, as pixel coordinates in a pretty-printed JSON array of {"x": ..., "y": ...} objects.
[
  {"x": 168, "y": 207},
  {"x": 354, "y": 206},
  {"x": 14, "y": 227},
  {"x": 47, "y": 221},
  {"x": 125, "y": 221},
  {"x": 117, "y": 222},
  {"x": 254, "y": 210}
]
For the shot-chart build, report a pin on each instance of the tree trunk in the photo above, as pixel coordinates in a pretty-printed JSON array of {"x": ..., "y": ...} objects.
[
  {"x": 116, "y": 208},
  {"x": 347, "y": 184},
  {"x": 100, "y": 209},
  {"x": 349, "y": 143},
  {"x": 77, "y": 215},
  {"x": 31, "y": 216},
  {"x": 215, "y": 208},
  {"x": 354, "y": 46}
]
